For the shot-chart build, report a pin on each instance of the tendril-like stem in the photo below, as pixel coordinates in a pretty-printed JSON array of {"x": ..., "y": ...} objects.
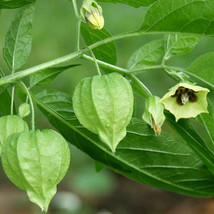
[
  {"x": 78, "y": 25},
  {"x": 31, "y": 104},
  {"x": 12, "y": 100},
  {"x": 96, "y": 63},
  {"x": 12, "y": 96}
]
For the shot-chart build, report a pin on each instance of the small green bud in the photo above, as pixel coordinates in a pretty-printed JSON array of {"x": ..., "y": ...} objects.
[
  {"x": 24, "y": 110},
  {"x": 154, "y": 113},
  {"x": 186, "y": 100},
  {"x": 91, "y": 12}
]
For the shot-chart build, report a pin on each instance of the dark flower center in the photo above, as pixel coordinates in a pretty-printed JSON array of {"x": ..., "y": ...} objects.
[{"x": 183, "y": 95}]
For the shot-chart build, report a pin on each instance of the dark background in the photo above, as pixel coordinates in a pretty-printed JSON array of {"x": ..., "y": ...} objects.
[{"x": 83, "y": 191}]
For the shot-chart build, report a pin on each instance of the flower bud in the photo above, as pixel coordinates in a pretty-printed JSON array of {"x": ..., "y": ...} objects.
[
  {"x": 154, "y": 113},
  {"x": 186, "y": 100},
  {"x": 91, "y": 12},
  {"x": 24, "y": 110}
]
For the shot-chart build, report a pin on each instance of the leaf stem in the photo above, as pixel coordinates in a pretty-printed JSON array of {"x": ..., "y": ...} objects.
[
  {"x": 145, "y": 91},
  {"x": 75, "y": 8},
  {"x": 21, "y": 74},
  {"x": 78, "y": 24},
  {"x": 1, "y": 73},
  {"x": 78, "y": 34},
  {"x": 12, "y": 95},
  {"x": 189, "y": 74},
  {"x": 105, "y": 64},
  {"x": 95, "y": 61},
  {"x": 167, "y": 53},
  {"x": 12, "y": 100},
  {"x": 31, "y": 104}
]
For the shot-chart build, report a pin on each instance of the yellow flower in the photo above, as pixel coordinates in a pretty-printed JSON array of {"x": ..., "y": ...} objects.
[{"x": 186, "y": 100}]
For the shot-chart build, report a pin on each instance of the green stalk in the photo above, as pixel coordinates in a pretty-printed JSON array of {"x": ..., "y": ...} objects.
[
  {"x": 95, "y": 61},
  {"x": 66, "y": 58},
  {"x": 24, "y": 87},
  {"x": 106, "y": 65},
  {"x": 21, "y": 74},
  {"x": 77, "y": 25}
]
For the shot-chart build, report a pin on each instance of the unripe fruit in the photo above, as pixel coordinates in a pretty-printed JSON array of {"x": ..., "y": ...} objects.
[
  {"x": 104, "y": 105},
  {"x": 9, "y": 125},
  {"x": 36, "y": 161},
  {"x": 154, "y": 113},
  {"x": 24, "y": 110}
]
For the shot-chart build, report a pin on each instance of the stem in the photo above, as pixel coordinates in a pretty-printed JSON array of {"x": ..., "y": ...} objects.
[
  {"x": 106, "y": 65},
  {"x": 153, "y": 67},
  {"x": 75, "y": 8},
  {"x": 1, "y": 73},
  {"x": 12, "y": 100},
  {"x": 77, "y": 25},
  {"x": 78, "y": 34},
  {"x": 190, "y": 74},
  {"x": 145, "y": 91},
  {"x": 31, "y": 104},
  {"x": 21, "y": 74},
  {"x": 96, "y": 64},
  {"x": 12, "y": 95},
  {"x": 74, "y": 55},
  {"x": 167, "y": 54}
]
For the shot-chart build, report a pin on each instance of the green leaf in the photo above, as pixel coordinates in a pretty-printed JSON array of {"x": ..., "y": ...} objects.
[
  {"x": 64, "y": 103},
  {"x": 193, "y": 140},
  {"x": 186, "y": 16},
  {"x": 137, "y": 86},
  {"x": 133, "y": 3},
  {"x": 47, "y": 75},
  {"x": 36, "y": 161},
  {"x": 203, "y": 149},
  {"x": 106, "y": 52},
  {"x": 12, "y": 4},
  {"x": 5, "y": 102},
  {"x": 207, "y": 120},
  {"x": 147, "y": 55},
  {"x": 98, "y": 166},
  {"x": 19, "y": 38},
  {"x": 1, "y": 73},
  {"x": 202, "y": 68},
  {"x": 162, "y": 161},
  {"x": 180, "y": 44}
]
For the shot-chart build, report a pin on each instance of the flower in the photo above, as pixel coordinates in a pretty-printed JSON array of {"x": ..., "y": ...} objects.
[
  {"x": 186, "y": 100},
  {"x": 91, "y": 12},
  {"x": 154, "y": 113}
]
